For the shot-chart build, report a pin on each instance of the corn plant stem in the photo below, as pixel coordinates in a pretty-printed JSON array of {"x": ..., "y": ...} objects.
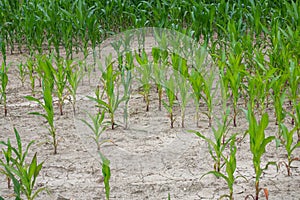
[
  {"x": 160, "y": 92},
  {"x": 182, "y": 117},
  {"x": 55, "y": 143},
  {"x": 172, "y": 119},
  {"x": 257, "y": 189}
]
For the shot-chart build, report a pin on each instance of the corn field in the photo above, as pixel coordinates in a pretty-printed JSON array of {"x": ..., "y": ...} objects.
[{"x": 149, "y": 99}]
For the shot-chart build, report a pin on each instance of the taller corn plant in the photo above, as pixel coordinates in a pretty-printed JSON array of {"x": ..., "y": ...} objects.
[
  {"x": 183, "y": 88},
  {"x": 208, "y": 93},
  {"x": 74, "y": 76},
  {"x": 145, "y": 72},
  {"x": 234, "y": 74},
  {"x": 293, "y": 83},
  {"x": 258, "y": 88},
  {"x": 170, "y": 90},
  {"x": 126, "y": 79},
  {"x": 279, "y": 95},
  {"x": 195, "y": 78},
  {"x": 181, "y": 74},
  {"x": 258, "y": 143},
  {"x": 4, "y": 82},
  {"x": 160, "y": 61},
  {"x": 60, "y": 79},
  {"x": 230, "y": 165},
  {"x": 197, "y": 83},
  {"x": 289, "y": 146},
  {"x": 218, "y": 144},
  {"x": 296, "y": 118},
  {"x": 47, "y": 103},
  {"x": 30, "y": 64},
  {"x": 109, "y": 80}
]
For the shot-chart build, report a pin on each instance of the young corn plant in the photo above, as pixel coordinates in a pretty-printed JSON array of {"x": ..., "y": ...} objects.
[
  {"x": 106, "y": 174},
  {"x": 289, "y": 146},
  {"x": 60, "y": 80},
  {"x": 279, "y": 94},
  {"x": 74, "y": 76},
  {"x": 293, "y": 84},
  {"x": 208, "y": 94},
  {"x": 4, "y": 82},
  {"x": 30, "y": 64},
  {"x": 109, "y": 79},
  {"x": 258, "y": 143},
  {"x": 197, "y": 83},
  {"x": 47, "y": 103},
  {"x": 160, "y": 61},
  {"x": 258, "y": 88},
  {"x": 183, "y": 88},
  {"x": 126, "y": 79},
  {"x": 170, "y": 90},
  {"x": 27, "y": 175},
  {"x": 230, "y": 165},
  {"x": 296, "y": 117},
  {"x": 97, "y": 126},
  {"x": 22, "y": 175},
  {"x": 145, "y": 71},
  {"x": 8, "y": 160},
  {"x": 181, "y": 74},
  {"x": 22, "y": 73},
  {"x": 235, "y": 75},
  {"x": 218, "y": 144}
]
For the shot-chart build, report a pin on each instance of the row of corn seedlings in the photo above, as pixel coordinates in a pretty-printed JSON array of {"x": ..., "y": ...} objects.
[{"x": 79, "y": 24}]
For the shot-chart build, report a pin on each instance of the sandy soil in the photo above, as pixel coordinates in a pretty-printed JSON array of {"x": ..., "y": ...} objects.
[{"x": 148, "y": 160}]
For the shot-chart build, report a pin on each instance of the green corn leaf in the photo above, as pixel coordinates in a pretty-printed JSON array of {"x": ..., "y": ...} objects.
[
  {"x": 106, "y": 174},
  {"x": 32, "y": 167}
]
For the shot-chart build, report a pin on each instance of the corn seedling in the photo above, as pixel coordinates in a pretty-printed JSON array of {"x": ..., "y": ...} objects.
[
  {"x": 27, "y": 175},
  {"x": 22, "y": 175},
  {"x": 47, "y": 103},
  {"x": 109, "y": 78},
  {"x": 197, "y": 83},
  {"x": 296, "y": 117},
  {"x": 293, "y": 83},
  {"x": 74, "y": 76},
  {"x": 208, "y": 94},
  {"x": 234, "y": 74},
  {"x": 258, "y": 143},
  {"x": 230, "y": 165},
  {"x": 181, "y": 74},
  {"x": 183, "y": 88},
  {"x": 4, "y": 82},
  {"x": 22, "y": 73},
  {"x": 8, "y": 160},
  {"x": 97, "y": 126},
  {"x": 217, "y": 146},
  {"x": 170, "y": 90},
  {"x": 60, "y": 80},
  {"x": 145, "y": 71},
  {"x": 159, "y": 66},
  {"x": 289, "y": 146},
  {"x": 106, "y": 174},
  {"x": 126, "y": 79},
  {"x": 30, "y": 64},
  {"x": 278, "y": 96}
]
